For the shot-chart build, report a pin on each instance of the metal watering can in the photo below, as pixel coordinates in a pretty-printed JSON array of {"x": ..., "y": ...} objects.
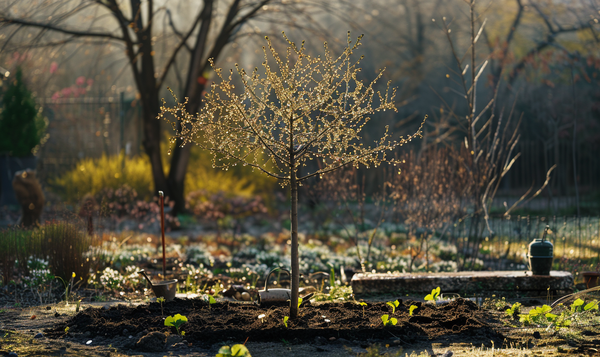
[
  {"x": 541, "y": 254},
  {"x": 165, "y": 289},
  {"x": 274, "y": 296}
]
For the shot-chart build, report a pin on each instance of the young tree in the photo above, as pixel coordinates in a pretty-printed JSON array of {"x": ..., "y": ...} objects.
[{"x": 307, "y": 108}]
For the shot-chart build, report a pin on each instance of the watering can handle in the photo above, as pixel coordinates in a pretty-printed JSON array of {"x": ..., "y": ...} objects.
[
  {"x": 142, "y": 272},
  {"x": 271, "y": 272}
]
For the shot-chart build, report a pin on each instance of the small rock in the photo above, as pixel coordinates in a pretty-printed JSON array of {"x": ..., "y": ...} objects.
[
  {"x": 152, "y": 342},
  {"x": 342, "y": 341},
  {"x": 448, "y": 354},
  {"x": 319, "y": 340},
  {"x": 105, "y": 307},
  {"x": 331, "y": 338},
  {"x": 125, "y": 332},
  {"x": 12, "y": 354},
  {"x": 39, "y": 335}
]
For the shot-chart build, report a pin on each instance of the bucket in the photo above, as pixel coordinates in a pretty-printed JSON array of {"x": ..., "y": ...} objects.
[{"x": 165, "y": 288}]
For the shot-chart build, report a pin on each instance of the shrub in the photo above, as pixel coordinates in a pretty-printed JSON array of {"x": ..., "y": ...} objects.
[
  {"x": 22, "y": 128},
  {"x": 66, "y": 246},
  {"x": 113, "y": 172},
  {"x": 107, "y": 172}
]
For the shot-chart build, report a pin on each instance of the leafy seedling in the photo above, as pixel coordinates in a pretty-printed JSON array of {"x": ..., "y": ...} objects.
[
  {"x": 394, "y": 305},
  {"x": 435, "y": 294},
  {"x": 411, "y": 309},
  {"x": 386, "y": 320},
  {"x": 299, "y": 301},
  {"x": 211, "y": 300},
  {"x": 176, "y": 321},
  {"x": 161, "y": 300},
  {"x": 363, "y": 304},
  {"x": 514, "y": 310},
  {"x": 285, "y": 320},
  {"x": 234, "y": 351}
]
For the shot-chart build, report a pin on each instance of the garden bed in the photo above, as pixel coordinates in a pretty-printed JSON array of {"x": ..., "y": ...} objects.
[{"x": 142, "y": 327}]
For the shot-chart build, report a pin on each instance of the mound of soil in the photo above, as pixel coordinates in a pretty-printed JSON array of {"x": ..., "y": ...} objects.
[{"x": 129, "y": 327}]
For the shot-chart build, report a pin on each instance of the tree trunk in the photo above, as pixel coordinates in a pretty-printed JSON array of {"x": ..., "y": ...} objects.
[{"x": 294, "y": 222}]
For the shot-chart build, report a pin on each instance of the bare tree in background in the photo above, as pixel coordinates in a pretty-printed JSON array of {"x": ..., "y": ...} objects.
[{"x": 135, "y": 25}]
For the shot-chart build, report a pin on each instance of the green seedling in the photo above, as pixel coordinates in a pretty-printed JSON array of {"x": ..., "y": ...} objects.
[
  {"x": 67, "y": 330},
  {"x": 535, "y": 315},
  {"x": 285, "y": 320},
  {"x": 78, "y": 305},
  {"x": 161, "y": 300},
  {"x": 234, "y": 351},
  {"x": 411, "y": 309},
  {"x": 299, "y": 301},
  {"x": 176, "y": 321},
  {"x": 435, "y": 294},
  {"x": 363, "y": 304},
  {"x": 386, "y": 320},
  {"x": 394, "y": 305},
  {"x": 211, "y": 300},
  {"x": 514, "y": 310}
]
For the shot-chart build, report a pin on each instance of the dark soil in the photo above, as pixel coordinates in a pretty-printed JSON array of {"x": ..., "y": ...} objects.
[{"x": 126, "y": 326}]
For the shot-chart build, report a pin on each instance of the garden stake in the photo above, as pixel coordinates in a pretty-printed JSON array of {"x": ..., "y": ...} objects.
[{"x": 162, "y": 228}]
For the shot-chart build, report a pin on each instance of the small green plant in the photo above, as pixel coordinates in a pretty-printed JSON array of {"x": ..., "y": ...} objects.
[
  {"x": 67, "y": 330},
  {"x": 394, "y": 305},
  {"x": 536, "y": 315},
  {"x": 234, "y": 351},
  {"x": 435, "y": 295},
  {"x": 78, "y": 305},
  {"x": 386, "y": 320},
  {"x": 363, "y": 304},
  {"x": 161, "y": 300},
  {"x": 411, "y": 309},
  {"x": 285, "y": 320},
  {"x": 299, "y": 302},
  {"x": 176, "y": 321},
  {"x": 211, "y": 300},
  {"x": 514, "y": 310}
]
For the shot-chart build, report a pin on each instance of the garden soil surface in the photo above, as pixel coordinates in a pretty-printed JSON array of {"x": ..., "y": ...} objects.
[
  {"x": 322, "y": 330},
  {"x": 141, "y": 328}
]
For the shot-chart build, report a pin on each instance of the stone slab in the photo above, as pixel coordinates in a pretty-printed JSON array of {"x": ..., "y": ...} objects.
[{"x": 462, "y": 282}]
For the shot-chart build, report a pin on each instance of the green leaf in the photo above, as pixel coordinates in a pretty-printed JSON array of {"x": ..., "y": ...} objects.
[
  {"x": 394, "y": 321},
  {"x": 411, "y": 309},
  {"x": 211, "y": 300},
  {"x": 394, "y": 305},
  {"x": 240, "y": 351},
  {"x": 224, "y": 351},
  {"x": 576, "y": 305},
  {"x": 385, "y": 319},
  {"x": 551, "y": 317},
  {"x": 299, "y": 301},
  {"x": 169, "y": 321},
  {"x": 362, "y": 303},
  {"x": 285, "y": 320},
  {"x": 435, "y": 293},
  {"x": 593, "y": 305}
]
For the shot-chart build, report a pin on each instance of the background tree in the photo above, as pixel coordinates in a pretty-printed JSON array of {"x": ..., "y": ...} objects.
[
  {"x": 306, "y": 109},
  {"x": 138, "y": 30}
]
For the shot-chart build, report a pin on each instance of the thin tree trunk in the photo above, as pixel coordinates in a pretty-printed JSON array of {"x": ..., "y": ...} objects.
[{"x": 294, "y": 222}]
